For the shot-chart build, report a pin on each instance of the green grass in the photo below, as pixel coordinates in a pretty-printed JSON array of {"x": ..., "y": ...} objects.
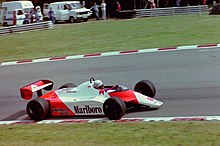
[
  {"x": 127, "y": 134},
  {"x": 111, "y": 35}
]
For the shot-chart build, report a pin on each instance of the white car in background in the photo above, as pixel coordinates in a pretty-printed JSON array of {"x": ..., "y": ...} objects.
[
  {"x": 72, "y": 11},
  {"x": 17, "y": 8}
]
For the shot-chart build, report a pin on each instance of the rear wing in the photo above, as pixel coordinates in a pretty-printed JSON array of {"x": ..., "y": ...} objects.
[{"x": 27, "y": 91}]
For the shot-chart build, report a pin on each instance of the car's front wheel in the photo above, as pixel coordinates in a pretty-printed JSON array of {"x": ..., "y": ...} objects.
[
  {"x": 72, "y": 20},
  {"x": 38, "y": 109},
  {"x": 145, "y": 87},
  {"x": 114, "y": 108},
  {"x": 85, "y": 20}
]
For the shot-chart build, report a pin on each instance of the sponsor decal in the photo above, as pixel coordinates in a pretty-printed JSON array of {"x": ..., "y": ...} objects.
[
  {"x": 33, "y": 87},
  {"x": 61, "y": 111},
  {"x": 151, "y": 99},
  {"x": 102, "y": 91},
  {"x": 87, "y": 109},
  {"x": 70, "y": 91}
]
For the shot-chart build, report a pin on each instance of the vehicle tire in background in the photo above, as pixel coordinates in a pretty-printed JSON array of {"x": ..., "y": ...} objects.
[
  {"x": 145, "y": 87},
  {"x": 85, "y": 20},
  {"x": 5, "y": 24},
  {"x": 68, "y": 85},
  {"x": 114, "y": 108},
  {"x": 72, "y": 20},
  {"x": 38, "y": 109}
]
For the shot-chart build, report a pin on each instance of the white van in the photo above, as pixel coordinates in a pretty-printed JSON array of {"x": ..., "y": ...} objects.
[
  {"x": 71, "y": 11},
  {"x": 21, "y": 7},
  {"x": 2, "y": 13}
]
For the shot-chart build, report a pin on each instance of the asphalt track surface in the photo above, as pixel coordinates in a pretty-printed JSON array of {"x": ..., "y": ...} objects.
[{"x": 187, "y": 81}]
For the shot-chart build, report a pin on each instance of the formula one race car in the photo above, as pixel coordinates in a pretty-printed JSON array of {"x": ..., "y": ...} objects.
[{"x": 86, "y": 99}]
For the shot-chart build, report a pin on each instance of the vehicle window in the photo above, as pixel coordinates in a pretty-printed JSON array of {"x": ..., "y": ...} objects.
[
  {"x": 76, "y": 5},
  {"x": 19, "y": 12},
  {"x": 46, "y": 6},
  {"x": 27, "y": 10},
  {"x": 65, "y": 7},
  {"x": 62, "y": 7}
]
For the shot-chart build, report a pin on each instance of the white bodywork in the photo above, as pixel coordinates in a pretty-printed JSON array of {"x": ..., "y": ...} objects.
[
  {"x": 68, "y": 100},
  {"x": 86, "y": 100},
  {"x": 21, "y": 7},
  {"x": 65, "y": 10}
]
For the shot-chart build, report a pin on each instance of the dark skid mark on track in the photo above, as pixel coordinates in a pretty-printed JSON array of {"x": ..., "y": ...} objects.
[{"x": 15, "y": 116}]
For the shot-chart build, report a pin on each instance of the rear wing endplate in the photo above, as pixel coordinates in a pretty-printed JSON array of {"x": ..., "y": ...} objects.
[{"x": 28, "y": 90}]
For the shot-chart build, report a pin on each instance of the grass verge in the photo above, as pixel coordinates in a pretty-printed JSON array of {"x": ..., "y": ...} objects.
[
  {"x": 111, "y": 35},
  {"x": 142, "y": 133}
]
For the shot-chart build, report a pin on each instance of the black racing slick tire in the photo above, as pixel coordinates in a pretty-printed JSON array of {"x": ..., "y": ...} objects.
[
  {"x": 145, "y": 87},
  {"x": 38, "y": 109},
  {"x": 68, "y": 85},
  {"x": 114, "y": 108}
]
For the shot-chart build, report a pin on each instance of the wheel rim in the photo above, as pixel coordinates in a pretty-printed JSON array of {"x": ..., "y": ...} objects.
[
  {"x": 34, "y": 110},
  {"x": 112, "y": 110},
  {"x": 71, "y": 19}
]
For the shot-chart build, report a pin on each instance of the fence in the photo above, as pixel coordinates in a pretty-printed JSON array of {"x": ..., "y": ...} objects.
[
  {"x": 25, "y": 27},
  {"x": 164, "y": 11},
  {"x": 171, "y": 11}
]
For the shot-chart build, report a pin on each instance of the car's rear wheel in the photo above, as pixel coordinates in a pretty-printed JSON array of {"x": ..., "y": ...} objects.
[
  {"x": 68, "y": 85},
  {"x": 145, "y": 87},
  {"x": 114, "y": 108},
  {"x": 38, "y": 109},
  {"x": 5, "y": 24}
]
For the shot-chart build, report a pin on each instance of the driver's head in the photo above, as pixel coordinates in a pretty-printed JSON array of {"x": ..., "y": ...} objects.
[{"x": 98, "y": 84}]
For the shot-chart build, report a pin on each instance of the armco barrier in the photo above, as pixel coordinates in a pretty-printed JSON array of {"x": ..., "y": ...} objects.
[
  {"x": 25, "y": 27},
  {"x": 169, "y": 11}
]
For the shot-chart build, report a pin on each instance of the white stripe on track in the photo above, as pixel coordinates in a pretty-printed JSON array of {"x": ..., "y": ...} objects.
[{"x": 140, "y": 119}]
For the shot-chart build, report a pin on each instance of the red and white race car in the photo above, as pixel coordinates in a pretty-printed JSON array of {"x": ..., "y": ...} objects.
[{"x": 85, "y": 99}]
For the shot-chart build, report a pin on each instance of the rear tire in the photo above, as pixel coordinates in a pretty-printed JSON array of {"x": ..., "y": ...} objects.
[
  {"x": 114, "y": 108},
  {"x": 38, "y": 109},
  {"x": 145, "y": 87},
  {"x": 5, "y": 24},
  {"x": 26, "y": 22}
]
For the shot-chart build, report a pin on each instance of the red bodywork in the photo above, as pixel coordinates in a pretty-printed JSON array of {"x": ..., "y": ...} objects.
[
  {"x": 57, "y": 107},
  {"x": 127, "y": 96},
  {"x": 27, "y": 91}
]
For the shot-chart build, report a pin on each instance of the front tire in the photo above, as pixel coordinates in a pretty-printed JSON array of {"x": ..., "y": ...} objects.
[
  {"x": 72, "y": 20},
  {"x": 145, "y": 87},
  {"x": 85, "y": 20},
  {"x": 114, "y": 108},
  {"x": 38, "y": 109}
]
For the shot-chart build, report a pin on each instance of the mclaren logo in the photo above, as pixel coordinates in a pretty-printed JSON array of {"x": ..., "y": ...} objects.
[{"x": 87, "y": 109}]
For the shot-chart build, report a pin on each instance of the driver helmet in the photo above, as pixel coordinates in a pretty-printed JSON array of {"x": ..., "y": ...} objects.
[{"x": 98, "y": 84}]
